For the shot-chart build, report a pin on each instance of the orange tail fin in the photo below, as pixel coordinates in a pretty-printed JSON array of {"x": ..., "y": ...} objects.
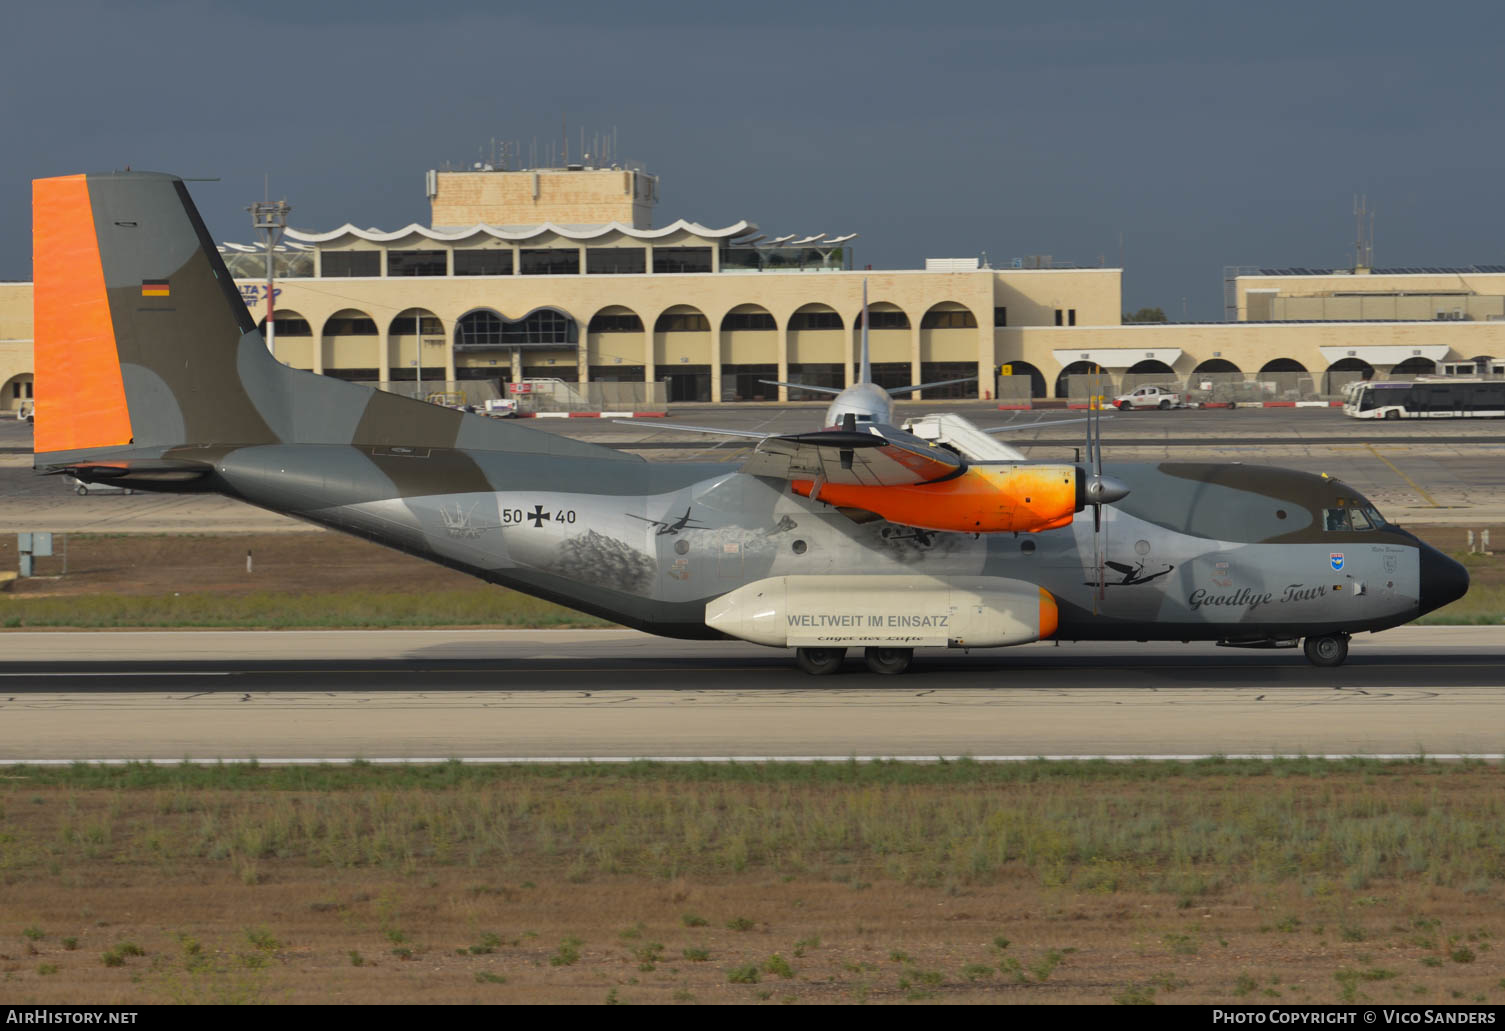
[{"x": 80, "y": 394}]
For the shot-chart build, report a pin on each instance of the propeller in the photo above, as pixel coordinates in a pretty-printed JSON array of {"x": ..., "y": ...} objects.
[
  {"x": 849, "y": 420},
  {"x": 1100, "y": 490}
]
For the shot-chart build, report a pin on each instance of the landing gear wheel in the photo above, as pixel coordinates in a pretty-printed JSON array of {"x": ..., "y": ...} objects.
[
  {"x": 888, "y": 661},
  {"x": 1327, "y": 650},
  {"x": 819, "y": 662}
]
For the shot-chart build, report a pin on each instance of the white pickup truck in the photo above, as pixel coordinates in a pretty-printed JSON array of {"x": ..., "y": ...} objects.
[{"x": 1149, "y": 397}]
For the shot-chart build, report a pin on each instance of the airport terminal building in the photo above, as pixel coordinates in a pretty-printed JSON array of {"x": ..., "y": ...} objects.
[{"x": 560, "y": 273}]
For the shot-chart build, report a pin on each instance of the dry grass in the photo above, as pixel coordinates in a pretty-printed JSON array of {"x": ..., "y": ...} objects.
[{"x": 1373, "y": 882}]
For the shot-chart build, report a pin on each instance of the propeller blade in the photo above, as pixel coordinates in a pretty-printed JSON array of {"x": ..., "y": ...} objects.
[{"x": 846, "y": 458}]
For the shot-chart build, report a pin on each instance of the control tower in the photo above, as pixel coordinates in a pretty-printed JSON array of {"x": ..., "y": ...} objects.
[{"x": 575, "y": 195}]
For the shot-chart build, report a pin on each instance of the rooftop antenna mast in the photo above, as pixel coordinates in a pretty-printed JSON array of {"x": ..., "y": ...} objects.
[
  {"x": 271, "y": 218},
  {"x": 1363, "y": 248}
]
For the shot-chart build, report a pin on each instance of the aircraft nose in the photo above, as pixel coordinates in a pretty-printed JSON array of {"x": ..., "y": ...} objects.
[{"x": 1442, "y": 580}]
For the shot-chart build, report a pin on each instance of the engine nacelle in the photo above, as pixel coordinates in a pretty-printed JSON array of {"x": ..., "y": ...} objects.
[
  {"x": 983, "y": 499},
  {"x": 885, "y": 611}
]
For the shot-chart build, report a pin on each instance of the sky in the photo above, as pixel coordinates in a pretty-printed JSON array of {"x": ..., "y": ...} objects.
[{"x": 1170, "y": 139}]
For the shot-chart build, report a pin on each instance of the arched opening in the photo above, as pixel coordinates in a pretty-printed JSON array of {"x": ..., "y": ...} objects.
[
  {"x": 890, "y": 341},
  {"x": 816, "y": 352},
  {"x": 1281, "y": 365},
  {"x": 948, "y": 351},
  {"x": 1343, "y": 372},
  {"x": 1219, "y": 381},
  {"x": 292, "y": 338},
  {"x": 614, "y": 345},
  {"x": 1149, "y": 372},
  {"x": 1414, "y": 366},
  {"x": 749, "y": 349},
  {"x": 410, "y": 332},
  {"x": 682, "y": 353},
  {"x": 1022, "y": 382},
  {"x": 1286, "y": 379},
  {"x": 1081, "y": 379},
  {"x": 545, "y": 340},
  {"x": 349, "y": 344},
  {"x": 287, "y": 324},
  {"x": 17, "y": 389}
]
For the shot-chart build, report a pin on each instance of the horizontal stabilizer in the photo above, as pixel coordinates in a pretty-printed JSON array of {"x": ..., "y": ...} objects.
[
  {"x": 135, "y": 472},
  {"x": 801, "y": 386},
  {"x": 719, "y": 430},
  {"x": 896, "y": 391}
]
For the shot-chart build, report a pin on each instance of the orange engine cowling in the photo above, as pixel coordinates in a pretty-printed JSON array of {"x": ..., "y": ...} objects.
[{"x": 983, "y": 499}]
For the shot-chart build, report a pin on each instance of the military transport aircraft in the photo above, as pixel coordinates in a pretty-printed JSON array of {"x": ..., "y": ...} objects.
[{"x": 151, "y": 374}]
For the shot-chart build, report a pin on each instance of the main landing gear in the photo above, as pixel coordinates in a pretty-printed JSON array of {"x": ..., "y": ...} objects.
[
  {"x": 888, "y": 661},
  {"x": 1326, "y": 650},
  {"x": 819, "y": 662},
  {"x": 825, "y": 661}
]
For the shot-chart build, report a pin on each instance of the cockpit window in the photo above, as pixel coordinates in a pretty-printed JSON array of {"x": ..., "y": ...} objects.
[
  {"x": 864, "y": 418},
  {"x": 1352, "y": 514}
]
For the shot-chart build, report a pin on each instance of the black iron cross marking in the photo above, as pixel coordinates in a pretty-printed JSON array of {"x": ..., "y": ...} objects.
[{"x": 538, "y": 515}]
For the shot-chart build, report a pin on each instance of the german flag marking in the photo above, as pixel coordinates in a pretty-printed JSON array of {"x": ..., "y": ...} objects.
[{"x": 155, "y": 288}]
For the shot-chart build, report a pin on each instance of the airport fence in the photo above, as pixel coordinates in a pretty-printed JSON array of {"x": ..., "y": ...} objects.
[
  {"x": 1215, "y": 387},
  {"x": 604, "y": 396},
  {"x": 541, "y": 396}
]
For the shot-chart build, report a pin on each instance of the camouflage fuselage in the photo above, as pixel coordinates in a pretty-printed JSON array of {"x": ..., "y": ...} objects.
[{"x": 1194, "y": 552}]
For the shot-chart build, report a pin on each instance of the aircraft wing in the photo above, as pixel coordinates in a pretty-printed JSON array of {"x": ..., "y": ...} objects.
[
  {"x": 896, "y": 391},
  {"x": 638, "y": 424},
  {"x": 801, "y": 386},
  {"x": 880, "y": 457}
]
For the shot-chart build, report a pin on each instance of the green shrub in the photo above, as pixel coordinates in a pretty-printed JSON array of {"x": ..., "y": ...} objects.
[{"x": 743, "y": 975}]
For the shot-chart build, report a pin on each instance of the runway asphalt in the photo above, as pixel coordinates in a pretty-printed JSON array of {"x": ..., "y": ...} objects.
[{"x": 530, "y": 695}]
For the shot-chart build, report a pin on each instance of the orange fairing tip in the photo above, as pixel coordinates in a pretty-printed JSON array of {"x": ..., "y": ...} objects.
[{"x": 1049, "y": 616}]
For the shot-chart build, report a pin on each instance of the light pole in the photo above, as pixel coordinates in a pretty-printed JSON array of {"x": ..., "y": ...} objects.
[{"x": 271, "y": 218}]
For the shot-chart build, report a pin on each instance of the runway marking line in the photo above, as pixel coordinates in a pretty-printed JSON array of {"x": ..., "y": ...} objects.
[
  {"x": 582, "y": 759},
  {"x": 1396, "y": 470},
  {"x": 147, "y": 673}
]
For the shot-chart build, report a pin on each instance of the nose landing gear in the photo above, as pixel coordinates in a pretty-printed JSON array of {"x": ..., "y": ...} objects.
[{"x": 1326, "y": 650}]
